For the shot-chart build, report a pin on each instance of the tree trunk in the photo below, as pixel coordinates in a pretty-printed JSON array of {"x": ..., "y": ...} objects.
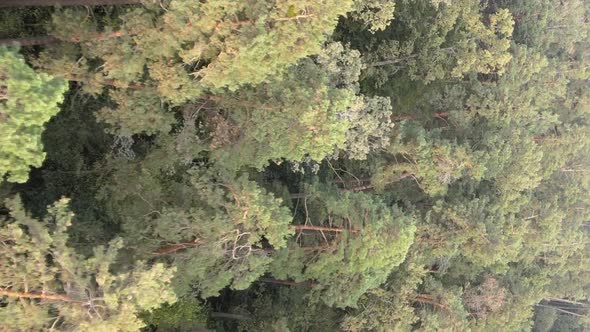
[
  {"x": 35, "y": 295},
  {"x": 429, "y": 299},
  {"x": 172, "y": 248},
  {"x": 45, "y": 3}
]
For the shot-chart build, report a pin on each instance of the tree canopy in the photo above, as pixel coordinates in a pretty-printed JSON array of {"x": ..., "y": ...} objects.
[{"x": 357, "y": 165}]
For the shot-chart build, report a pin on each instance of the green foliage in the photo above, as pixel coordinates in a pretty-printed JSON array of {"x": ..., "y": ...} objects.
[
  {"x": 137, "y": 112},
  {"x": 372, "y": 241},
  {"x": 239, "y": 43},
  {"x": 544, "y": 319},
  {"x": 46, "y": 284},
  {"x": 433, "y": 161},
  {"x": 230, "y": 231},
  {"x": 268, "y": 308},
  {"x": 27, "y": 101},
  {"x": 310, "y": 114},
  {"x": 304, "y": 119},
  {"x": 389, "y": 306},
  {"x": 375, "y": 14}
]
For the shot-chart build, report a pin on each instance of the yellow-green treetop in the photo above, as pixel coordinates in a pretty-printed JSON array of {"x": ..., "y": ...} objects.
[{"x": 27, "y": 101}]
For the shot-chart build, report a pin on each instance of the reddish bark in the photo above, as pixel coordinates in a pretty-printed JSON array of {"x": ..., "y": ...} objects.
[{"x": 172, "y": 248}]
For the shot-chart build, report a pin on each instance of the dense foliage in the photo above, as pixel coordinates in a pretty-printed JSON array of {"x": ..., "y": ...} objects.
[{"x": 358, "y": 165}]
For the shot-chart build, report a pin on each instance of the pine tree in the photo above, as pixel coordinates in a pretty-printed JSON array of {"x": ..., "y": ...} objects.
[
  {"x": 217, "y": 229},
  {"x": 362, "y": 241},
  {"x": 45, "y": 284},
  {"x": 313, "y": 112}
]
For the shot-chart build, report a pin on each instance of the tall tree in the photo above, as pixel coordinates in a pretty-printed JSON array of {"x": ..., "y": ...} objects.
[
  {"x": 187, "y": 46},
  {"x": 362, "y": 240}
]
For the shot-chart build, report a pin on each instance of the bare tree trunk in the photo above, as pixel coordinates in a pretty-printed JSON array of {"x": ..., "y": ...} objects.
[
  {"x": 172, "y": 248},
  {"x": 569, "y": 301},
  {"x": 45, "y": 3}
]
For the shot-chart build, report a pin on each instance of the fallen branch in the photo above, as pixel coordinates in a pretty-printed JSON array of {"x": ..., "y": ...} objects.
[{"x": 560, "y": 310}]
